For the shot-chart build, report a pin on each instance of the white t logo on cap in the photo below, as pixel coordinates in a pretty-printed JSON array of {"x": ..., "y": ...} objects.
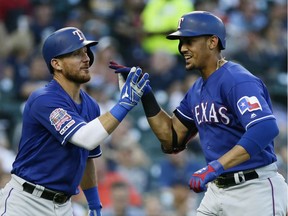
[{"x": 79, "y": 33}]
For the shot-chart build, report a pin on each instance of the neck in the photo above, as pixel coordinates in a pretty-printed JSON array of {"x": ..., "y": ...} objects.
[
  {"x": 72, "y": 88},
  {"x": 217, "y": 63}
]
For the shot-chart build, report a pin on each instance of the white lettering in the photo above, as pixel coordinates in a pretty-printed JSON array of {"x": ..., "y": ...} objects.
[
  {"x": 204, "y": 118},
  {"x": 213, "y": 114},
  {"x": 197, "y": 114},
  {"x": 224, "y": 118},
  {"x": 79, "y": 34}
]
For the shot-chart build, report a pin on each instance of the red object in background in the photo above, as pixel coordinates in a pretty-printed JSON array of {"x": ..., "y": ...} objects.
[
  {"x": 104, "y": 187},
  {"x": 9, "y": 5}
]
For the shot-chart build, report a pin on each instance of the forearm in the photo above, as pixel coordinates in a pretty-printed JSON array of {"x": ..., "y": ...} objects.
[
  {"x": 95, "y": 132},
  {"x": 161, "y": 125},
  {"x": 170, "y": 131},
  {"x": 89, "y": 178},
  {"x": 235, "y": 156},
  {"x": 251, "y": 143},
  {"x": 90, "y": 189}
]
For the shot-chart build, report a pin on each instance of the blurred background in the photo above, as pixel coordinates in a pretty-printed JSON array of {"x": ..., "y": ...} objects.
[{"x": 135, "y": 177}]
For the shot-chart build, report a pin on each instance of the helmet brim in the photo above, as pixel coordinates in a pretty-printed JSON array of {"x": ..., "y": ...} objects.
[
  {"x": 178, "y": 34},
  {"x": 90, "y": 43}
]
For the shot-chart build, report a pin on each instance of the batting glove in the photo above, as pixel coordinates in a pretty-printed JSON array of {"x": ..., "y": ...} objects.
[
  {"x": 207, "y": 174},
  {"x": 123, "y": 72},
  {"x": 95, "y": 212},
  {"x": 133, "y": 88}
]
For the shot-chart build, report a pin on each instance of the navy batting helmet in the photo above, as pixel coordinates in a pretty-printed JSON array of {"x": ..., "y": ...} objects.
[
  {"x": 64, "y": 41},
  {"x": 199, "y": 23}
]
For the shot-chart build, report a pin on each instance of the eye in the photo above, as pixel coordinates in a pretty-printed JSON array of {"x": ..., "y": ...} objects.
[{"x": 80, "y": 52}]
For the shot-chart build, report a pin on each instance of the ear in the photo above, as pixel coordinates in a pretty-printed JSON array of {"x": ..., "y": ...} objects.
[
  {"x": 56, "y": 64},
  {"x": 213, "y": 42}
]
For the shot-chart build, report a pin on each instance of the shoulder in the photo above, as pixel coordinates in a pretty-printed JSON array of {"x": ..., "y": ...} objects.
[
  {"x": 45, "y": 95},
  {"x": 234, "y": 74},
  {"x": 237, "y": 73}
]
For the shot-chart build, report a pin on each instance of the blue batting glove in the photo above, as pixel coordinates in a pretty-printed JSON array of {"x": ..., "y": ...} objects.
[
  {"x": 131, "y": 92},
  {"x": 133, "y": 88},
  {"x": 207, "y": 174},
  {"x": 95, "y": 212},
  {"x": 124, "y": 71}
]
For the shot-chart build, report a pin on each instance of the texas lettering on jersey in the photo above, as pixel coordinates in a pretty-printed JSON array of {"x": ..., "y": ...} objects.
[{"x": 208, "y": 112}]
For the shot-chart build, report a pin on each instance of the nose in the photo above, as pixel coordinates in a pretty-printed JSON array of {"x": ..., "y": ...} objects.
[
  {"x": 86, "y": 57},
  {"x": 182, "y": 47}
]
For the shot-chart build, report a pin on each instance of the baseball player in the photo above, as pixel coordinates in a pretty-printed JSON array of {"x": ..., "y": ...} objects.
[
  {"x": 62, "y": 131},
  {"x": 231, "y": 111}
]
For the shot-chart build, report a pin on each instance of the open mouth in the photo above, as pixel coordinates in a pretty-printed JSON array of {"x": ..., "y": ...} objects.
[{"x": 187, "y": 57}]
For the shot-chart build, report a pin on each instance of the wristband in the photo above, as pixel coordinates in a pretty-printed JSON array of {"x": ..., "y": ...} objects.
[
  {"x": 150, "y": 105},
  {"x": 119, "y": 112},
  {"x": 92, "y": 198}
]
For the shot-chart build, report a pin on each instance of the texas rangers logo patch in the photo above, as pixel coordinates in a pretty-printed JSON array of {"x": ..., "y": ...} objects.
[
  {"x": 248, "y": 103},
  {"x": 58, "y": 117}
]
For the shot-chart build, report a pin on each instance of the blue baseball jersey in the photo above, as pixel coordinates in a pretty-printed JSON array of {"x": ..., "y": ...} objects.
[
  {"x": 223, "y": 107},
  {"x": 45, "y": 156}
]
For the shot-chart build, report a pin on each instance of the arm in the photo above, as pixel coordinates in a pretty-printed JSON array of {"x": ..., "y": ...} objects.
[
  {"x": 89, "y": 187},
  {"x": 235, "y": 156},
  {"x": 93, "y": 133},
  {"x": 251, "y": 143},
  {"x": 172, "y": 133}
]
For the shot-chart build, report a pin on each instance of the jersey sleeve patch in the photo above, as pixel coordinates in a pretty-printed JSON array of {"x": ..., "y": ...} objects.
[
  {"x": 58, "y": 117},
  {"x": 248, "y": 103}
]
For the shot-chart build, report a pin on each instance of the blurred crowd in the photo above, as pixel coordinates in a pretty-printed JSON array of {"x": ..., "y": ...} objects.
[{"x": 134, "y": 175}]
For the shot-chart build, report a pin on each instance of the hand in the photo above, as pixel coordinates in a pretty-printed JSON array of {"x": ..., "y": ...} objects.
[
  {"x": 120, "y": 69},
  {"x": 133, "y": 88},
  {"x": 95, "y": 212},
  {"x": 207, "y": 174},
  {"x": 123, "y": 72}
]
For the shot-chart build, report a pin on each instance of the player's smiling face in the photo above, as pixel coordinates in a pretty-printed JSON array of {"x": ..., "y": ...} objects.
[
  {"x": 195, "y": 52},
  {"x": 75, "y": 66}
]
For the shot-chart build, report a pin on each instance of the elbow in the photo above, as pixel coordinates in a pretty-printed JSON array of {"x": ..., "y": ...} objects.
[
  {"x": 91, "y": 146},
  {"x": 276, "y": 130}
]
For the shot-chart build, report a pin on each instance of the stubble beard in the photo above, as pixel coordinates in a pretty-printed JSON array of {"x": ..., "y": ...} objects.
[{"x": 78, "y": 77}]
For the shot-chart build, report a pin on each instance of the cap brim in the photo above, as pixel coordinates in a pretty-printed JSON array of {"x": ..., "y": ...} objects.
[
  {"x": 174, "y": 35},
  {"x": 183, "y": 33},
  {"x": 90, "y": 43}
]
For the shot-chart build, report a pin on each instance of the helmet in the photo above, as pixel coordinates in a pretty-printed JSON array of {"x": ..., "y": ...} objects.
[
  {"x": 64, "y": 41},
  {"x": 199, "y": 23}
]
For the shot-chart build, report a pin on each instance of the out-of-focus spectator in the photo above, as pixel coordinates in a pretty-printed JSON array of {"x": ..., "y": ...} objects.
[
  {"x": 250, "y": 54},
  {"x": 246, "y": 17},
  {"x": 133, "y": 162},
  {"x": 274, "y": 52},
  {"x": 106, "y": 178},
  {"x": 38, "y": 76},
  {"x": 175, "y": 171},
  {"x": 158, "y": 19},
  {"x": 11, "y": 10},
  {"x": 164, "y": 70},
  {"x": 153, "y": 206},
  {"x": 107, "y": 49},
  {"x": 125, "y": 129},
  {"x": 43, "y": 21},
  {"x": 7, "y": 155},
  {"x": 127, "y": 27},
  {"x": 120, "y": 202},
  {"x": 7, "y": 85}
]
